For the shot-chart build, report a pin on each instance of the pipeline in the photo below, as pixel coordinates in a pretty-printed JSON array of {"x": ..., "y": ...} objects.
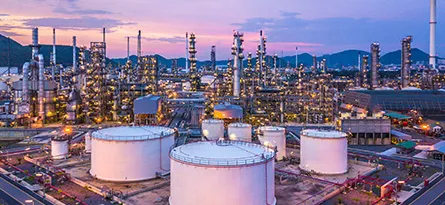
[
  {"x": 41, "y": 94},
  {"x": 25, "y": 85}
]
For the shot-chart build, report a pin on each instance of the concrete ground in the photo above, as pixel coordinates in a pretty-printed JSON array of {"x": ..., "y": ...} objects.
[{"x": 154, "y": 191}]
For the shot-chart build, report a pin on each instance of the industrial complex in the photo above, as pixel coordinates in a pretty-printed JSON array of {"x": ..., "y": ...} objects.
[{"x": 257, "y": 131}]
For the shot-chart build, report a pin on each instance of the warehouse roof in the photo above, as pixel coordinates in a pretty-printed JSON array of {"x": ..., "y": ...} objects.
[{"x": 397, "y": 116}]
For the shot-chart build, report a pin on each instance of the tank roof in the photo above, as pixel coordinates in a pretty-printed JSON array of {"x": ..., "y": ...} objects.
[
  {"x": 222, "y": 153},
  {"x": 323, "y": 133},
  {"x": 211, "y": 121},
  {"x": 272, "y": 128},
  {"x": 126, "y": 133},
  {"x": 239, "y": 125}
]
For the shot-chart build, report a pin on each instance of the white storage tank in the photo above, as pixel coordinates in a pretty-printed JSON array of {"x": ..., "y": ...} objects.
[
  {"x": 324, "y": 152},
  {"x": 130, "y": 153},
  {"x": 59, "y": 148},
  {"x": 274, "y": 136},
  {"x": 222, "y": 173},
  {"x": 212, "y": 129},
  {"x": 88, "y": 142},
  {"x": 240, "y": 131}
]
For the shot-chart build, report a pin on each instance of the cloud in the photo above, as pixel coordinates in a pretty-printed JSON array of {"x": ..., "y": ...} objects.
[
  {"x": 10, "y": 33},
  {"x": 289, "y": 14},
  {"x": 4, "y": 15},
  {"x": 75, "y": 11},
  {"x": 173, "y": 40},
  {"x": 339, "y": 32},
  {"x": 72, "y": 8},
  {"x": 83, "y": 23}
]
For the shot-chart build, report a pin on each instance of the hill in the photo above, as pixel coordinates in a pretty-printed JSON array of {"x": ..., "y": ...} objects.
[{"x": 22, "y": 53}]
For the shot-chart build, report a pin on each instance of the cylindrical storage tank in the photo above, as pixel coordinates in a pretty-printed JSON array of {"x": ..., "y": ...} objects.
[
  {"x": 274, "y": 136},
  {"x": 127, "y": 154},
  {"x": 88, "y": 142},
  {"x": 59, "y": 148},
  {"x": 324, "y": 152},
  {"x": 212, "y": 129},
  {"x": 240, "y": 131},
  {"x": 224, "y": 172}
]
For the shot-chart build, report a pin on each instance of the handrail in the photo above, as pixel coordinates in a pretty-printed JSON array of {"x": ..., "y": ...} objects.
[
  {"x": 165, "y": 131},
  {"x": 267, "y": 155}
]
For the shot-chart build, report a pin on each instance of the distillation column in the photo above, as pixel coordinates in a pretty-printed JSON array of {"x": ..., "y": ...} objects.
[
  {"x": 192, "y": 58},
  {"x": 213, "y": 58},
  {"x": 406, "y": 61},
  {"x": 375, "y": 65},
  {"x": 237, "y": 52}
]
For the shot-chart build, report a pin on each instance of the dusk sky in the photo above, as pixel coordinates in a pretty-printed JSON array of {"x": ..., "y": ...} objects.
[{"x": 316, "y": 26}]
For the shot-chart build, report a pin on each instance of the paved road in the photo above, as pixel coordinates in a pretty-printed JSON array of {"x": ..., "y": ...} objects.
[
  {"x": 440, "y": 200},
  {"x": 14, "y": 195},
  {"x": 435, "y": 195}
]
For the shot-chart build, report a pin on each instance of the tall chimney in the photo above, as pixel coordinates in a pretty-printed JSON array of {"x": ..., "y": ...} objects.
[
  {"x": 74, "y": 55},
  {"x": 433, "y": 33},
  {"x": 105, "y": 44},
  {"x": 139, "y": 46},
  {"x": 260, "y": 58},
  {"x": 54, "y": 54},
  {"x": 296, "y": 57},
  {"x": 213, "y": 58},
  {"x": 128, "y": 48},
  {"x": 186, "y": 51}
]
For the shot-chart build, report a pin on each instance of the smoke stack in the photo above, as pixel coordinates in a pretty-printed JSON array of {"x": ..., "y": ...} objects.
[
  {"x": 105, "y": 45},
  {"x": 54, "y": 54},
  {"x": 128, "y": 48},
  {"x": 296, "y": 57},
  {"x": 35, "y": 42},
  {"x": 433, "y": 33},
  {"x": 213, "y": 57},
  {"x": 74, "y": 55},
  {"x": 186, "y": 51},
  {"x": 139, "y": 46}
]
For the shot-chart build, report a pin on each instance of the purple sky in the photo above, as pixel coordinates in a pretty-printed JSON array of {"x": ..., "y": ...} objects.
[{"x": 316, "y": 26}]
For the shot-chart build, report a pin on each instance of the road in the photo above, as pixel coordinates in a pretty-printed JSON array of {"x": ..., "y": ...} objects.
[
  {"x": 11, "y": 194},
  {"x": 433, "y": 196}
]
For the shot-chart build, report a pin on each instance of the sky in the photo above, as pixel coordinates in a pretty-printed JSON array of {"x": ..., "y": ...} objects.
[{"x": 314, "y": 26}]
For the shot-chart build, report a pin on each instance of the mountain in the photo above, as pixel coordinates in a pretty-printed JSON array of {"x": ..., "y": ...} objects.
[
  {"x": 394, "y": 57},
  {"x": 21, "y": 54}
]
